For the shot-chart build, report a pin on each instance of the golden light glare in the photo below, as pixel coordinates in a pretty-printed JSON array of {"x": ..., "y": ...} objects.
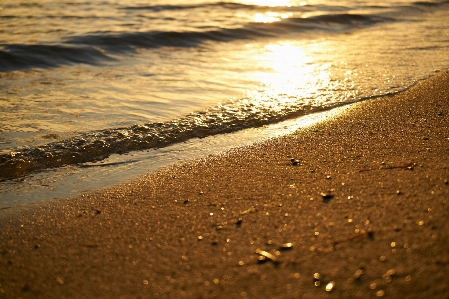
[
  {"x": 287, "y": 62},
  {"x": 286, "y": 57},
  {"x": 290, "y": 71},
  {"x": 270, "y": 17},
  {"x": 271, "y": 3}
]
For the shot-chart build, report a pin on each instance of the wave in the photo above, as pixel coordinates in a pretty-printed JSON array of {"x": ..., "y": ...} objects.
[
  {"x": 228, "y": 6},
  {"x": 97, "y": 48},
  {"x": 14, "y": 57},
  {"x": 234, "y": 5},
  {"x": 430, "y": 3},
  {"x": 159, "y": 8},
  {"x": 98, "y": 145},
  {"x": 155, "y": 39}
]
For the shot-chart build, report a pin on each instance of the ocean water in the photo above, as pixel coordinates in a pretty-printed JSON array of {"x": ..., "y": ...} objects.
[{"x": 116, "y": 82}]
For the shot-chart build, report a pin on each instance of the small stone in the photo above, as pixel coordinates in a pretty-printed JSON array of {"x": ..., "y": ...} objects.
[
  {"x": 327, "y": 196},
  {"x": 316, "y": 276},
  {"x": 359, "y": 272},
  {"x": 286, "y": 246},
  {"x": 391, "y": 272},
  {"x": 261, "y": 259},
  {"x": 265, "y": 255},
  {"x": 238, "y": 223},
  {"x": 294, "y": 162},
  {"x": 60, "y": 280},
  {"x": 380, "y": 293},
  {"x": 330, "y": 286}
]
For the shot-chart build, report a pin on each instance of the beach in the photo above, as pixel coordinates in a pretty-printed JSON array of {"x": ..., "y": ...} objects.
[
  {"x": 355, "y": 206},
  {"x": 114, "y": 182}
]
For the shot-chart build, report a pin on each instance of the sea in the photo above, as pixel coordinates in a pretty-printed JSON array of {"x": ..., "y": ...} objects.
[{"x": 94, "y": 93}]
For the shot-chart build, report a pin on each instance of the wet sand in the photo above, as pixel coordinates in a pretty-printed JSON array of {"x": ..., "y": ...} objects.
[{"x": 364, "y": 205}]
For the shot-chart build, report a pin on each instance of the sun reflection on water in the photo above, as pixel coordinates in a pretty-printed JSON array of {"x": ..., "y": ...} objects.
[
  {"x": 270, "y": 17},
  {"x": 291, "y": 73},
  {"x": 272, "y": 3}
]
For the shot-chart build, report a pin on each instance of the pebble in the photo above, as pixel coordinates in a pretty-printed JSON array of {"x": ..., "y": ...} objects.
[
  {"x": 294, "y": 162},
  {"x": 330, "y": 286},
  {"x": 316, "y": 277},
  {"x": 238, "y": 223},
  {"x": 380, "y": 293},
  {"x": 261, "y": 259},
  {"x": 391, "y": 272},
  {"x": 60, "y": 280},
  {"x": 265, "y": 255},
  {"x": 327, "y": 196},
  {"x": 286, "y": 246},
  {"x": 359, "y": 273}
]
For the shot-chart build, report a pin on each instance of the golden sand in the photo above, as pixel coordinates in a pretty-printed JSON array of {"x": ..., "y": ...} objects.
[{"x": 361, "y": 211}]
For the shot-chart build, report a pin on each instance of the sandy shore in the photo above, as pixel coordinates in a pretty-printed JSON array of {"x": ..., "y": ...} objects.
[{"x": 366, "y": 208}]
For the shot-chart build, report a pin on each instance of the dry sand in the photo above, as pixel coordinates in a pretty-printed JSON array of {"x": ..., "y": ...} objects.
[{"x": 192, "y": 230}]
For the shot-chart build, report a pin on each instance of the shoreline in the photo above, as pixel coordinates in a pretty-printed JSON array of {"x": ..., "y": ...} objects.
[
  {"x": 366, "y": 207},
  {"x": 72, "y": 181}
]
